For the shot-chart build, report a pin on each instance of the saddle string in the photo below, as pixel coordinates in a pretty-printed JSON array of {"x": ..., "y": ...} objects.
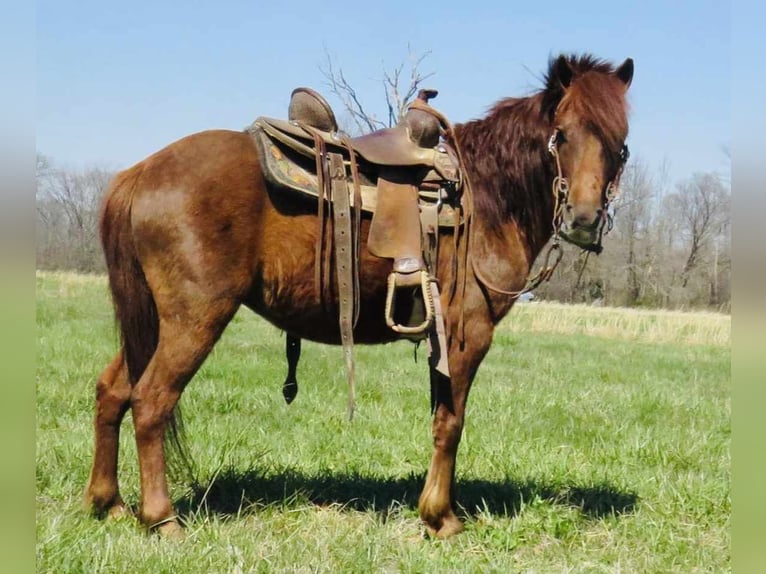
[{"x": 460, "y": 255}]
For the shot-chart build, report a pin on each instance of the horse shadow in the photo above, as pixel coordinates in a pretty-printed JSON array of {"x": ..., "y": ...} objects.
[{"x": 231, "y": 492}]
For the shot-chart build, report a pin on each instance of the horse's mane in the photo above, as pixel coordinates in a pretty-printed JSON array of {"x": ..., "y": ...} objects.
[{"x": 506, "y": 152}]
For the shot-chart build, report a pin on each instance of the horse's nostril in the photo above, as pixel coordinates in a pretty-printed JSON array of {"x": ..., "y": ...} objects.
[
  {"x": 599, "y": 213},
  {"x": 569, "y": 207}
]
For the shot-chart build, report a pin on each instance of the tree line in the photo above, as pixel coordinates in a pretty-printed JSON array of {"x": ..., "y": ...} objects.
[{"x": 669, "y": 248}]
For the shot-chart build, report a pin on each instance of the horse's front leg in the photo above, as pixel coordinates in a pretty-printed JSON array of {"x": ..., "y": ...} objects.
[{"x": 437, "y": 502}]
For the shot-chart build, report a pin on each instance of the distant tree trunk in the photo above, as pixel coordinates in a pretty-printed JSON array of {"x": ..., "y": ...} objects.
[
  {"x": 714, "y": 299},
  {"x": 702, "y": 204},
  {"x": 634, "y": 285}
]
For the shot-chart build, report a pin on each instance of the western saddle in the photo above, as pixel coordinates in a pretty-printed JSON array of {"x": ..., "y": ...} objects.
[{"x": 407, "y": 177}]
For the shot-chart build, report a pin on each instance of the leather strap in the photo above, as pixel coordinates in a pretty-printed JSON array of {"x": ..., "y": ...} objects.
[
  {"x": 344, "y": 265},
  {"x": 356, "y": 235},
  {"x": 429, "y": 226},
  {"x": 322, "y": 185},
  {"x": 437, "y": 336}
]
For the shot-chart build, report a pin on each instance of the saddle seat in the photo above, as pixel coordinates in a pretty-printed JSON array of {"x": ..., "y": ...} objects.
[{"x": 410, "y": 143}]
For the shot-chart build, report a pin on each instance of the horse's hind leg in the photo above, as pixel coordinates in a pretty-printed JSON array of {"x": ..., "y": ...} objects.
[
  {"x": 184, "y": 343},
  {"x": 102, "y": 495}
]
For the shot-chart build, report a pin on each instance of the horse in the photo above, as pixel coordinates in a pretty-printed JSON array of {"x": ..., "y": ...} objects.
[{"x": 193, "y": 232}]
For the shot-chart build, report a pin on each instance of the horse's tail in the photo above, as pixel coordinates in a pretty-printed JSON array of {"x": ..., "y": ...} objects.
[{"x": 134, "y": 306}]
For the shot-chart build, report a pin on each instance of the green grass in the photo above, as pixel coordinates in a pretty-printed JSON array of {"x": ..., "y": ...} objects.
[{"x": 582, "y": 452}]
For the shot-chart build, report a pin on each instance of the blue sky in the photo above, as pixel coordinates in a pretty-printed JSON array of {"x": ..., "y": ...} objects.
[{"x": 118, "y": 82}]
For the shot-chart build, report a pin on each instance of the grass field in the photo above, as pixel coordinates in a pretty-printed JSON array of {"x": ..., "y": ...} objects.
[{"x": 597, "y": 440}]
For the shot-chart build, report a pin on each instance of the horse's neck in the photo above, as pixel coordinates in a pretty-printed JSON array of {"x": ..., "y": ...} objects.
[{"x": 508, "y": 164}]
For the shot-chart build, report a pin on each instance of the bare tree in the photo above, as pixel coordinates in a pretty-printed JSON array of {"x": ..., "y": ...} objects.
[
  {"x": 67, "y": 216},
  {"x": 702, "y": 206},
  {"x": 400, "y": 86},
  {"x": 634, "y": 212}
]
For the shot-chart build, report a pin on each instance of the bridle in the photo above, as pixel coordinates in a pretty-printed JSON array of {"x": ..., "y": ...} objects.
[{"x": 561, "y": 195}]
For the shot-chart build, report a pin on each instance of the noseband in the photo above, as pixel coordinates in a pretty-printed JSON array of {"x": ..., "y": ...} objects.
[{"x": 561, "y": 195}]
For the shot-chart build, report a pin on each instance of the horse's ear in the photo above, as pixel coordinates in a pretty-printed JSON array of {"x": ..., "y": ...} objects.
[
  {"x": 563, "y": 71},
  {"x": 625, "y": 72}
]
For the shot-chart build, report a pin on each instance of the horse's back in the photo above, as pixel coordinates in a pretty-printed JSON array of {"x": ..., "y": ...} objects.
[{"x": 196, "y": 158}]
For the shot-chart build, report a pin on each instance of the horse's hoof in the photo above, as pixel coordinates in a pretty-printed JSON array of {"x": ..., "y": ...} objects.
[
  {"x": 170, "y": 530},
  {"x": 101, "y": 507},
  {"x": 289, "y": 391},
  {"x": 118, "y": 512},
  {"x": 449, "y": 526}
]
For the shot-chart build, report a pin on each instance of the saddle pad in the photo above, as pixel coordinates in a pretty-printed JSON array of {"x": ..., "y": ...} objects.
[{"x": 283, "y": 174}]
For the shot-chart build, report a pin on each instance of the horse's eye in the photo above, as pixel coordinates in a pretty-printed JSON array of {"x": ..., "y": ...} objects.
[
  {"x": 560, "y": 137},
  {"x": 624, "y": 153}
]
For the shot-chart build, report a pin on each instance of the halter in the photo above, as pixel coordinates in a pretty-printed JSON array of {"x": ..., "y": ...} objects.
[{"x": 561, "y": 195}]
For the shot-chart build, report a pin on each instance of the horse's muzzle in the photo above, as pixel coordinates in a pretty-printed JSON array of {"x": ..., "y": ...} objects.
[{"x": 585, "y": 237}]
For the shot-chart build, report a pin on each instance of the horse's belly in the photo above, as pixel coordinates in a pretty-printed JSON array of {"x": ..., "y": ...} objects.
[{"x": 285, "y": 293}]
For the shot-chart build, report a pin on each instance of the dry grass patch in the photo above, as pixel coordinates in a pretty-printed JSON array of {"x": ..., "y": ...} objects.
[{"x": 650, "y": 326}]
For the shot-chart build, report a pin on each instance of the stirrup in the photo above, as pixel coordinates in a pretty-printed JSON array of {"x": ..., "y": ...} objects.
[{"x": 396, "y": 280}]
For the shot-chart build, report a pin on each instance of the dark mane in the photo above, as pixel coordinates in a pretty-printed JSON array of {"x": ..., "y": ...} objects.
[
  {"x": 506, "y": 154},
  {"x": 511, "y": 170}
]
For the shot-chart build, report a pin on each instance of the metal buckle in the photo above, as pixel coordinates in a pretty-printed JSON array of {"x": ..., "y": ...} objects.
[{"x": 552, "y": 148}]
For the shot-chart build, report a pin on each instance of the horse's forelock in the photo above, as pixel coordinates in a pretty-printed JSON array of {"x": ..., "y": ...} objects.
[{"x": 596, "y": 94}]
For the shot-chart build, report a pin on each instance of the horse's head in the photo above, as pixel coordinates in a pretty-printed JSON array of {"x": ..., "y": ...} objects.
[{"x": 589, "y": 114}]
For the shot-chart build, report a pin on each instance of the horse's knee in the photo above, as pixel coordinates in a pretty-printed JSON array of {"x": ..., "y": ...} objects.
[
  {"x": 446, "y": 433},
  {"x": 152, "y": 410},
  {"x": 149, "y": 424}
]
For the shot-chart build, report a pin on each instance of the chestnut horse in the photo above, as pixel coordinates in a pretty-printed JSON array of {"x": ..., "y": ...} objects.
[{"x": 193, "y": 232}]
